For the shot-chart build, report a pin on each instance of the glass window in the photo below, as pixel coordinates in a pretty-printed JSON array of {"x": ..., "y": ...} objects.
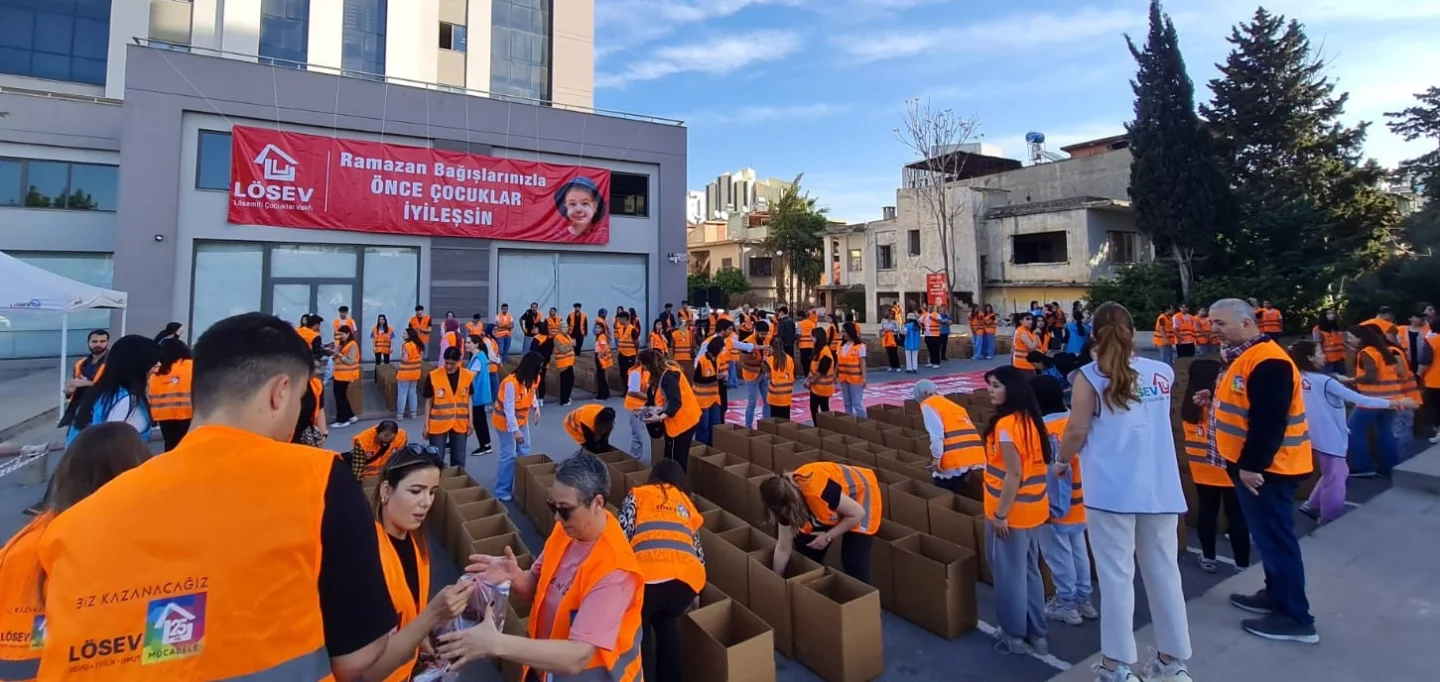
[
  {"x": 64, "y": 41},
  {"x": 25, "y": 334},
  {"x": 629, "y": 194},
  {"x": 93, "y": 187},
  {"x": 285, "y": 32},
  {"x": 313, "y": 261},
  {"x": 212, "y": 161},
  {"x": 46, "y": 184},
  {"x": 363, "y": 44},
  {"x": 11, "y": 171},
  {"x": 227, "y": 282},
  {"x": 391, "y": 288},
  {"x": 520, "y": 39},
  {"x": 914, "y": 239}
]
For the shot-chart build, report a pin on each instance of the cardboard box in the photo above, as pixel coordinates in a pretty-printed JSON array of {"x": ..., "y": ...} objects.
[
  {"x": 952, "y": 520},
  {"x": 882, "y": 571},
  {"x": 870, "y": 432},
  {"x": 521, "y": 464},
  {"x": 732, "y": 439},
  {"x": 837, "y": 444},
  {"x": 385, "y": 383},
  {"x": 770, "y": 592},
  {"x": 698, "y": 451},
  {"x": 536, "y": 507},
  {"x": 762, "y": 451},
  {"x": 910, "y": 503},
  {"x": 719, "y": 521},
  {"x": 613, "y": 457},
  {"x": 711, "y": 594},
  {"x": 860, "y": 452},
  {"x": 791, "y": 456},
  {"x": 787, "y": 431},
  {"x": 837, "y": 422},
  {"x": 633, "y": 479},
  {"x": 727, "y": 559},
  {"x": 527, "y": 480},
  {"x": 769, "y": 425},
  {"x": 479, "y": 529},
  {"x": 618, "y": 471},
  {"x": 809, "y": 436},
  {"x": 479, "y": 510},
  {"x": 703, "y": 504},
  {"x": 495, "y": 546},
  {"x": 726, "y": 642},
  {"x": 839, "y": 637},
  {"x": 515, "y": 624},
  {"x": 707, "y": 473},
  {"x": 935, "y": 584},
  {"x": 457, "y": 483},
  {"x": 899, "y": 439},
  {"x": 740, "y": 492}
]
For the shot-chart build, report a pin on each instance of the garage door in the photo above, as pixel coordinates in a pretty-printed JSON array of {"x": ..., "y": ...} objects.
[{"x": 560, "y": 280}]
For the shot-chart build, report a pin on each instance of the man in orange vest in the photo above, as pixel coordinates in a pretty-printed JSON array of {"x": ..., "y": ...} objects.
[
  {"x": 579, "y": 327},
  {"x": 1261, "y": 437},
  {"x": 504, "y": 329},
  {"x": 344, "y": 320},
  {"x": 421, "y": 323},
  {"x": 447, "y": 388},
  {"x": 1164, "y": 336},
  {"x": 1184, "y": 333},
  {"x": 293, "y": 589}
]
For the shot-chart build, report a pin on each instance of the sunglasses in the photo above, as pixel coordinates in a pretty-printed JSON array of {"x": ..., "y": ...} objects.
[
  {"x": 415, "y": 454},
  {"x": 563, "y": 512}
]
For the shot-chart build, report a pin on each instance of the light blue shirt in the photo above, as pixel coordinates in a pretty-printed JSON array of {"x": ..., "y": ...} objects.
[
  {"x": 912, "y": 335},
  {"x": 480, "y": 388},
  {"x": 1074, "y": 342},
  {"x": 119, "y": 408}
]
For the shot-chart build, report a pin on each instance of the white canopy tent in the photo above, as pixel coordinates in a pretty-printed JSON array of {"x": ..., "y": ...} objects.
[{"x": 25, "y": 287}]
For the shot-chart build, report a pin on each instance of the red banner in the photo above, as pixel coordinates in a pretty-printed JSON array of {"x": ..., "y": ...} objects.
[
  {"x": 936, "y": 291},
  {"x": 296, "y": 180}
]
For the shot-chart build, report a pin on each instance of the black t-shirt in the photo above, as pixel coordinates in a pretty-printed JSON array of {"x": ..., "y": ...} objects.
[
  {"x": 355, "y": 602},
  {"x": 428, "y": 391},
  {"x": 405, "y": 549},
  {"x": 831, "y": 497}
]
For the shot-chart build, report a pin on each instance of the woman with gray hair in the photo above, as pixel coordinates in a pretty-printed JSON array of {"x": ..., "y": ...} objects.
[
  {"x": 586, "y": 588},
  {"x": 955, "y": 445}
]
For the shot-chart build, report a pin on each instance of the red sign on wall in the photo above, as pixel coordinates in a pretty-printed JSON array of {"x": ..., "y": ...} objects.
[
  {"x": 937, "y": 292},
  {"x": 287, "y": 179}
]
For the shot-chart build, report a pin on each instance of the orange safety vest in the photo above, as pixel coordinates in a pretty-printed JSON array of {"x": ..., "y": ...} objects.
[
  {"x": 1204, "y": 332},
  {"x": 688, "y": 416},
  {"x": 658, "y": 342},
  {"x": 1387, "y": 382},
  {"x": 1232, "y": 412},
  {"x": 1332, "y": 343},
  {"x": 991, "y": 322},
  {"x": 381, "y": 341},
  {"x": 1031, "y": 507},
  {"x": 369, "y": 443},
  {"x": 492, "y": 353},
  {"x": 1055, "y": 428},
  {"x": 666, "y": 523},
  {"x": 602, "y": 326},
  {"x": 782, "y": 382},
  {"x": 582, "y": 416},
  {"x": 1270, "y": 322},
  {"x": 752, "y": 361},
  {"x": 452, "y": 339},
  {"x": 400, "y": 596},
  {"x": 962, "y": 448},
  {"x": 474, "y": 329},
  {"x": 681, "y": 340},
  {"x": 309, "y": 335},
  {"x": 887, "y": 338},
  {"x": 170, "y": 393},
  {"x": 450, "y": 408},
  {"x": 317, "y": 388},
  {"x": 80, "y": 364},
  {"x": 602, "y": 351},
  {"x": 1431, "y": 378},
  {"x": 22, "y": 618},
  {"x": 807, "y": 333},
  {"x": 1024, "y": 342},
  {"x": 564, "y": 352},
  {"x": 504, "y": 325},
  {"x": 823, "y": 385},
  {"x": 337, "y": 323},
  {"x": 347, "y": 363},
  {"x": 1185, "y": 329},
  {"x": 552, "y": 323},
  {"x": 1164, "y": 335},
  {"x": 578, "y": 322},
  {"x": 193, "y": 603},
  {"x": 836, "y": 339},
  {"x": 632, "y": 403},
  {"x": 611, "y": 553},
  {"x": 1197, "y": 449},
  {"x": 421, "y": 325},
  {"x": 625, "y": 338},
  {"x": 708, "y": 395},
  {"x": 524, "y": 398},
  {"x": 858, "y": 483},
  {"x": 409, "y": 363},
  {"x": 852, "y": 366}
]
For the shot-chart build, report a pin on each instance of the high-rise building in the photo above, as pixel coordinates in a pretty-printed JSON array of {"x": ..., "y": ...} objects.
[
  {"x": 741, "y": 192},
  {"x": 694, "y": 207},
  {"x": 536, "y": 50}
]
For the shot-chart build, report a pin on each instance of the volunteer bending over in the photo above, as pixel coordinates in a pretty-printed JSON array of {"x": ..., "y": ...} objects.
[
  {"x": 822, "y": 502},
  {"x": 586, "y": 587},
  {"x": 590, "y": 426},
  {"x": 98, "y": 454},
  {"x": 663, "y": 526}
]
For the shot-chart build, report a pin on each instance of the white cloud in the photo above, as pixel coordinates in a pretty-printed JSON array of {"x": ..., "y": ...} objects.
[
  {"x": 1006, "y": 34},
  {"x": 626, "y": 23},
  {"x": 1381, "y": 79},
  {"x": 765, "y": 114},
  {"x": 852, "y": 197},
  {"x": 1319, "y": 11},
  {"x": 716, "y": 57}
]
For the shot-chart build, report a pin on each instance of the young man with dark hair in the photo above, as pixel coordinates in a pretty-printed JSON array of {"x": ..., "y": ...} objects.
[{"x": 298, "y": 546}]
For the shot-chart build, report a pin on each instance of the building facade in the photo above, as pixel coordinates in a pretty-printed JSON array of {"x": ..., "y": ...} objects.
[
  {"x": 133, "y": 194},
  {"x": 533, "y": 50},
  {"x": 736, "y": 242},
  {"x": 741, "y": 192}
]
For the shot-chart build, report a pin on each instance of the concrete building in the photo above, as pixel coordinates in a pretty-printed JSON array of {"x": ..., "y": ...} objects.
[
  {"x": 842, "y": 284},
  {"x": 1042, "y": 232},
  {"x": 735, "y": 242},
  {"x": 741, "y": 192},
  {"x": 133, "y": 193},
  {"x": 694, "y": 207},
  {"x": 534, "y": 50}
]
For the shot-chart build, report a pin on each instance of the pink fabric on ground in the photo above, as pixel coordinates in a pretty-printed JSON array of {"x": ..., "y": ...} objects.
[{"x": 598, "y": 622}]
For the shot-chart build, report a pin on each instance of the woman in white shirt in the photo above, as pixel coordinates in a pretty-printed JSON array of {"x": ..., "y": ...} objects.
[
  {"x": 121, "y": 391},
  {"x": 1325, "y": 399},
  {"x": 1120, "y": 427}
]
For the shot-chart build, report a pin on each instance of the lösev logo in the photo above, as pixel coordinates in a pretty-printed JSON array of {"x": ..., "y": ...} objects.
[
  {"x": 277, "y": 165},
  {"x": 1159, "y": 387},
  {"x": 174, "y": 628}
]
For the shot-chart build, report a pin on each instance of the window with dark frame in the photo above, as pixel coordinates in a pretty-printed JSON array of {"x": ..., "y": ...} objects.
[
  {"x": 58, "y": 41},
  {"x": 42, "y": 183},
  {"x": 761, "y": 267},
  {"x": 857, "y": 261},
  {"x": 212, "y": 160},
  {"x": 914, "y": 238},
  {"x": 1124, "y": 247},
  {"x": 1040, "y": 247},
  {"x": 452, "y": 37},
  {"x": 885, "y": 257},
  {"x": 727, "y": 263},
  {"x": 630, "y": 195}
]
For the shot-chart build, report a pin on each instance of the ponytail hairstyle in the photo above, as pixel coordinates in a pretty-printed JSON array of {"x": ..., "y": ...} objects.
[
  {"x": 1371, "y": 337},
  {"x": 1113, "y": 335},
  {"x": 784, "y": 503}
]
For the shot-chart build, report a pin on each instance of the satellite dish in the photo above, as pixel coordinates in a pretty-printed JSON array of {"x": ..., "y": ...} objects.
[{"x": 1035, "y": 138}]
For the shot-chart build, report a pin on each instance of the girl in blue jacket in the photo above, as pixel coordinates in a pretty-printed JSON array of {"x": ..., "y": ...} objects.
[{"x": 912, "y": 344}]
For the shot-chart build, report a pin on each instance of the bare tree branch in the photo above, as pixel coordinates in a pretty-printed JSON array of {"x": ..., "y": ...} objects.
[{"x": 935, "y": 135}]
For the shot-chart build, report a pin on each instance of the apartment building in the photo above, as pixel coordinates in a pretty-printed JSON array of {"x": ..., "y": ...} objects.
[
  {"x": 735, "y": 242},
  {"x": 741, "y": 192}
]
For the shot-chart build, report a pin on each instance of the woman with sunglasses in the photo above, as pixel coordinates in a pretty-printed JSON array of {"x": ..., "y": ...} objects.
[
  {"x": 663, "y": 526},
  {"x": 402, "y": 503},
  {"x": 586, "y": 587}
]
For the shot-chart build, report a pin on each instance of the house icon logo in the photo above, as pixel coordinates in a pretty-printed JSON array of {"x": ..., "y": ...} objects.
[
  {"x": 174, "y": 628},
  {"x": 278, "y": 166}
]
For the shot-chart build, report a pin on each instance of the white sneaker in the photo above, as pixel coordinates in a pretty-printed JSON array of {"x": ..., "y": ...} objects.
[
  {"x": 339, "y": 425},
  {"x": 1159, "y": 671},
  {"x": 354, "y": 420},
  {"x": 1120, "y": 674},
  {"x": 1435, "y": 439}
]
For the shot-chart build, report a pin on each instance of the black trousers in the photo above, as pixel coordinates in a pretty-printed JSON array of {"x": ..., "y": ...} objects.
[
  {"x": 804, "y": 368},
  {"x": 818, "y": 404},
  {"x": 602, "y": 381},
  {"x": 1432, "y": 401},
  {"x": 579, "y": 343},
  {"x": 780, "y": 412},
  {"x": 724, "y": 396},
  {"x": 678, "y": 447},
  {"x": 893, "y": 354},
  {"x": 482, "y": 427},
  {"x": 660, "y": 643},
  {"x": 625, "y": 362},
  {"x": 1212, "y": 498},
  {"x": 567, "y": 384},
  {"x": 173, "y": 430},
  {"x": 943, "y": 345},
  {"x": 382, "y": 358},
  {"x": 790, "y": 351},
  {"x": 540, "y": 390},
  {"x": 854, "y": 552},
  {"x": 1184, "y": 350},
  {"x": 932, "y": 349},
  {"x": 343, "y": 413}
]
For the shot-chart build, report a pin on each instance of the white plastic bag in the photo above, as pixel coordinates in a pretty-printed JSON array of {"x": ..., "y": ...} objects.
[{"x": 487, "y": 600}]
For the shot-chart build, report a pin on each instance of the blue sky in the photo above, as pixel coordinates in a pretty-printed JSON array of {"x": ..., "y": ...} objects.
[{"x": 818, "y": 86}]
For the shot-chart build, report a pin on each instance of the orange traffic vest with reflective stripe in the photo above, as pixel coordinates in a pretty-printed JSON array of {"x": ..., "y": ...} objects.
[
  {"x": 1204, "y": 332},
  {"x": 858, "y": 483},
  {"x": 752, "y": 361},
  {"x": 625, "y": 338},
  {"x": 823, "y": 385},
  {"x": 1270, "y": 320},
  {"x": 602, "y": 351},
  {"x": 504, "y": 325},
  {"x": 347, "y": 363},
  {"x": 611, "y": 553},
  {"x": 782, "y": 382},
  {"x": 681, "y": 342},
  {"x": 688, "y": 416},
  {"x": 1164, "y": 331},
  {"x": 406, "y": 608},
  {"x": 409, "y": 369},
  {"x": 22, "y": 618},
  {"x": 1184, "y": 329},
  {"x": 990, "y": 322},
  {"x": 852, "y": 366},
  {"x": 708, "y": 395},
  {"x": 380, "y": 340},
  {"x": 1197, "y": 450},
  {"x": 1232, "y": 413},
  {"x": 807, "y": 333},
  {"x": 1055, "y": 428},
  {"x": 1387, "y": 381},
  {"x": 317, "y": 389},
  {"x": 308, "y": 334},
  {"x": 370, "y": 445},
  {"x": 337, "y": 323},
  {"x": 962, "y": 449},
  {"x": 631, "y": 402},
  {"x": 1333, "y": 344},
  {"x": 450, "y": 408},
  {"x": 666, "y": 522},
  {"x": 658, "y": 342},
  {"x": 492, "y": 353},
  {"x": 582, "y": 416},
  {"x": 80, "y": 366},
  {"x": 1031, "y": 507},
  {"x": 1025, "y": 341},
  {"x": 421, "y": 325},
  {"x": 564, "y": 351},
  {"x": 1431, "y": 378},
  {"x": 170, "y": 394},
  {"x": 524, "y": 397},
  {"x": 579, "y": 322},
  {"x": 191, "y": 603}
]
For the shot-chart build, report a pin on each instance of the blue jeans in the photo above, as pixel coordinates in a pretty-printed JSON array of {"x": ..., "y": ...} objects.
[
  {"x": 756, "y": 392},
  {"x": 709, "y": 419},
  {"x": 1019, "y": 592},
  {"x": 505, "y": 468},
  {"x": 1361, "y": 460},
  {"x": 854, "y": 397},
  {"x": 1270, "y": 516},
  {"x": 734, "y": 374},
  {"x": 494, "y": 387},
  {"x": 1167, "y": 355},
  {"x": 1063, "y": 547},
  {"x": 638, "y": 436},
  {"x": 505, "y": 346},
  {"x": 407, "y": 397},
  {"x": 455, "y": 443}
]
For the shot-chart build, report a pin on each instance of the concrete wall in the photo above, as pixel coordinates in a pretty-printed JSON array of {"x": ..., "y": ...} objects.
[
  {"x": 572, "y": 53},
  {"x": 999, "y": 251},
  {"x": 1102, "y": 175},
  {"x": 162, "y": 114},
  {"x": 1101, "y": 224}
]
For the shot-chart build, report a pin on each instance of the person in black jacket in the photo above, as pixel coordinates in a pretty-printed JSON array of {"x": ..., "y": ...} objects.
[
  {"x": 544, "y": 344},
  {"x": 788, "y": 332}
]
